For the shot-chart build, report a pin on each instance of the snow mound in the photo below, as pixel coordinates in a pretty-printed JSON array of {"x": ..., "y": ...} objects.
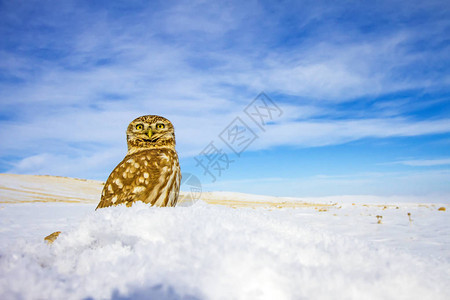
[
  {"x": 212, "y": 252},
  {"x": 41, "y": 188}
]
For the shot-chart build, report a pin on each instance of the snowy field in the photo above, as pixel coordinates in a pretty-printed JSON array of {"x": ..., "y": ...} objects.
[{"x": 226, "y": 246}]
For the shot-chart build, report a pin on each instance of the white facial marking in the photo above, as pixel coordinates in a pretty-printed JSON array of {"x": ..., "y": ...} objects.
[
  {"x": 138, "y": 189},
  {"x": 118, "y": 183}
]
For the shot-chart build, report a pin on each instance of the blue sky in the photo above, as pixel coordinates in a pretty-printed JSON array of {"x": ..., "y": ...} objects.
[{"x": 362, "y": 87}]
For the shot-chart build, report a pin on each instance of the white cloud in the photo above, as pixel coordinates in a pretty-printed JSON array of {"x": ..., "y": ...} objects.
[
  {"x": 69, "y": 165},
  {"x": 331, "y": 132},
  {"x": 425, "y": 162}
]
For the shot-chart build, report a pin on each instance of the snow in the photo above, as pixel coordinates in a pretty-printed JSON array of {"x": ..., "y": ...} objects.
[
  {"x": 31, "y": 188},
  {"x": 266, "y": 248}
]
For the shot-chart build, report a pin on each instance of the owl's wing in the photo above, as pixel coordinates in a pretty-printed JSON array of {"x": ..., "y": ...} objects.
[{"x": 151, "y": 176}]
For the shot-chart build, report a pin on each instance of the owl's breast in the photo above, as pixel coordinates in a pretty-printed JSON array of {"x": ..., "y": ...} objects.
[
  {"x": 151, "y": 176},
  {"x": 164, "y": 175}
]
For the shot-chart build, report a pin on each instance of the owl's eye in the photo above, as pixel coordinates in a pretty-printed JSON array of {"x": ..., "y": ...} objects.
[
  {"x": 139, "y": 126},
  {"x": 160, "y": 126}
]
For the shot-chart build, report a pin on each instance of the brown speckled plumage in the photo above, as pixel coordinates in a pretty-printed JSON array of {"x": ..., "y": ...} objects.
[{"x": 150, "y": 171}]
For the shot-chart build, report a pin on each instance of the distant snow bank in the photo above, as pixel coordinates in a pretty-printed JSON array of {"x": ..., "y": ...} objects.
[
  {"x": 340, "y": 199},
  {"x": 215, "y": 252},
  {"x": 42, "y": 188}
]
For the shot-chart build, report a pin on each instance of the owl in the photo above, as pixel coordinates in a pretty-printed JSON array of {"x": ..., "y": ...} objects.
[{"x": 150, "y": 171}]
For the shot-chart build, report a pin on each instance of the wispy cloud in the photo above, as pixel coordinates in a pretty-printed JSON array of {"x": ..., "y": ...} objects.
[
  {"x": 425, "y": 162},
  {"x": 331, "y": 132}
]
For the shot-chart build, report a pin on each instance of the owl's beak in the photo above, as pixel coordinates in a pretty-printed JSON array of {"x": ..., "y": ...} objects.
[{"x": 150, "y": 133}]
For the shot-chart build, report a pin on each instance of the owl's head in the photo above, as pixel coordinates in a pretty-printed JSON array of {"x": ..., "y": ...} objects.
[{"x": 150, "y": 132}]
